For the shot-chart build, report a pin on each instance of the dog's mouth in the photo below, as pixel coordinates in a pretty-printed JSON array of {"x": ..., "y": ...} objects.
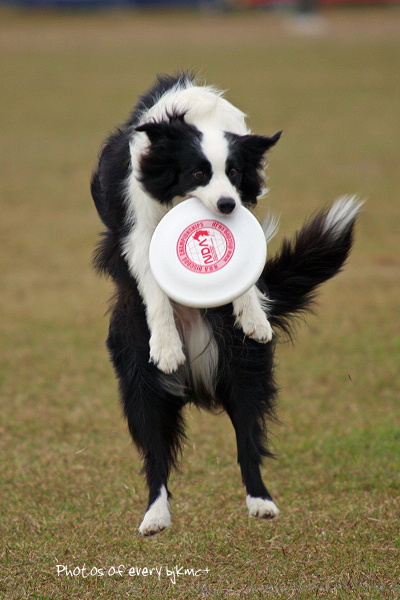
[{"x": 225, "y": 205}]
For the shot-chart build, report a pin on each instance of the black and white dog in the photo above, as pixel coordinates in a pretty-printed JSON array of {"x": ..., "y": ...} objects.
[{"x": 185, "y": 140}]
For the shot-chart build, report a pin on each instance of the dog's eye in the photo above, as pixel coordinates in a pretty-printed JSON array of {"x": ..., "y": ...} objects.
[
  {"x": 233, "y": 173},
  {"x": 199, "y": 174}
]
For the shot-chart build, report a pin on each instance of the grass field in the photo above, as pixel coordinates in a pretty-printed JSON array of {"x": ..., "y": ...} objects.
[{"x": 71, "y": 492}]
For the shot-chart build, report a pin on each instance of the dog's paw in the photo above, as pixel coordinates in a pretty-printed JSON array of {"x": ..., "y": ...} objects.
[
  {"x": 256, "y": 326},
  {"x": 158, "y": 517},
  {"x": 166, "y": 353},
  {"x": 154, "y": 524},
  {"x": 167, "y": 360},
  {"x": 261, "y": 508}
]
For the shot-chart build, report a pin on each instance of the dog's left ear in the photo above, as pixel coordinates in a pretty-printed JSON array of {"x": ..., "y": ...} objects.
[
  {"x": 249, "y": 151},
  {"x": 257, "y": 145}
]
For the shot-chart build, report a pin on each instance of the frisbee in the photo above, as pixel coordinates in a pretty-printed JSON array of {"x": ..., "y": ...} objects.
[{"x": 203, "y": 260}]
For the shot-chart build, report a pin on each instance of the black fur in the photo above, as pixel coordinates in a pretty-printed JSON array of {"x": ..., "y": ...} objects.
[
  {"x": 291, "y": 277},
  {"x": 168, "y": 168},
  {"x": 247, "y": 157}
]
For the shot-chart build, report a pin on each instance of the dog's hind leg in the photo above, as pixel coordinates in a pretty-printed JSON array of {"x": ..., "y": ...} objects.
[
  {"x": 158, "y": 445},
  {"x": 243, "y": 408},
  {"x": 258, "y": 499},
  {"x": 155, "y": 423},
  {"x": 158, "y": 437}
]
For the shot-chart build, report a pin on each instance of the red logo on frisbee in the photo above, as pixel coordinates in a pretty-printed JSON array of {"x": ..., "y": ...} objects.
[{"x": 205, "y": 246}]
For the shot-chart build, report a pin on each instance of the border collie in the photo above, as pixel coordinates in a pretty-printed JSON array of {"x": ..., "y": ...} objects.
[{"x": 182, "y": 140}]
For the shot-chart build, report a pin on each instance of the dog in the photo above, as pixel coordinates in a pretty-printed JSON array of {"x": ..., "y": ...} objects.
[{"x": 186, "y": 140}]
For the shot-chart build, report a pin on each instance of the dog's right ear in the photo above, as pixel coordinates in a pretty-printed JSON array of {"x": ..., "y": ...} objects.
[{"x": 157, "y": 133}]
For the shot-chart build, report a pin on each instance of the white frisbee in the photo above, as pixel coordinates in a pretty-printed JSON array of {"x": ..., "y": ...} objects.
[{"x": 202, "y": 260}]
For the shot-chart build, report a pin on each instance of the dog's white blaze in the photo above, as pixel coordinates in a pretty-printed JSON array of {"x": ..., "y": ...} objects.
[
  {"x": 158, "y": 516},
  {"x": 258, "y": 507},
  {"x": 215, "y": 148}
]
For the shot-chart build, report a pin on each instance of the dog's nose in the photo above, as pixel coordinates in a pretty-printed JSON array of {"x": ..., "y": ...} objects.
[{"x": 226, "y": 205}]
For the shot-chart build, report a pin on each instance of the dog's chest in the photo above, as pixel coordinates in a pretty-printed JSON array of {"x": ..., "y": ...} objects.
[{"x": 200, "y": 347}]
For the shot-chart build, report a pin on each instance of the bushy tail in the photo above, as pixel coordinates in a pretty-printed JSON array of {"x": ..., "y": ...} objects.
[{"x": 317, "y": 253}]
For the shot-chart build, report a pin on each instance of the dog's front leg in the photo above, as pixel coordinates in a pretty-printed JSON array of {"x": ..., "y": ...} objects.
[
  {"x": 165, "y": 344},
  {"x": 250, "y": 312}
]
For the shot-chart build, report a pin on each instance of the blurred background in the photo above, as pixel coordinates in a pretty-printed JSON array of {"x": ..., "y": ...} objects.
[
  {"x": 300, "y": 5},
  {"x": 328, "y": 75}
]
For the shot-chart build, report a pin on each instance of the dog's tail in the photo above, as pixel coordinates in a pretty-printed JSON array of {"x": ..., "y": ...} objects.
[{"x": 317, "y": 253}]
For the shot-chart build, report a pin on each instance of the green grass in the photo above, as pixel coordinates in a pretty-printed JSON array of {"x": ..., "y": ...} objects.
[{"x": 71, "y": 489}]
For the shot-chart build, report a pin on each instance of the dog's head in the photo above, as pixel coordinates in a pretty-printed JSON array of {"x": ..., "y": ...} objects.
[{"x": 221, "y": 169}]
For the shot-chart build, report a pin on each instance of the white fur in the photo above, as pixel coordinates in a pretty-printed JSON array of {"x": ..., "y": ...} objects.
[
  {"x": 203, "y": 105},
  {"x": 157, "y": 516},
  {"x": 202, "y": 352},
  {"x": 270, "y": 226},
  {"x": 251, "y": 317},
  {"x": 215, "y": 148},
  {"x": 258, "y": 507},
  {"x": 165, "y": 344},
  {"x": 205, "y": 108},
  {"x": 341, "y": 214}
]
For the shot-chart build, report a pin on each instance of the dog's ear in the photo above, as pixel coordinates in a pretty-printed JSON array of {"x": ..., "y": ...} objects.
[
  {"x": 156, "y": 132},
  {"x": 166, "y": 131},
  {"x": 257, "y": 145},
  {"x": 249, "y": 151}
]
